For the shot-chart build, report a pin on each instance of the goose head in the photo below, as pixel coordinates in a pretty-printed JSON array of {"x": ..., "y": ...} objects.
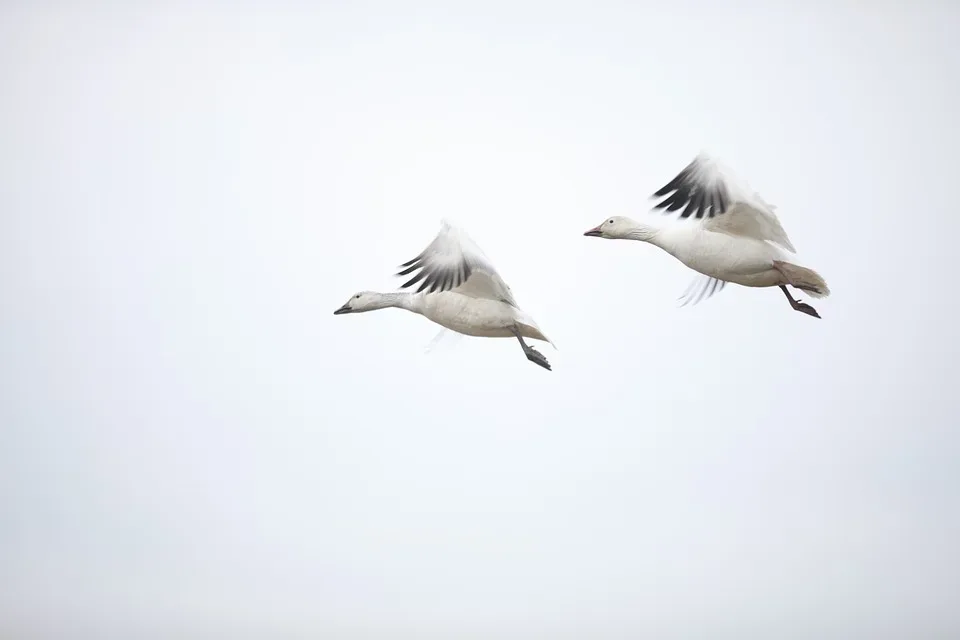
[
  {"x": 360, "y": 302},
  {"x": 616, "y": 227}
]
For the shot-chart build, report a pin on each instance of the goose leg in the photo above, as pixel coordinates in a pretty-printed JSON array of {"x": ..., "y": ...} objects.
[
  {"x": 803, "y": 307},
  {"x": 532, "y": 354}
]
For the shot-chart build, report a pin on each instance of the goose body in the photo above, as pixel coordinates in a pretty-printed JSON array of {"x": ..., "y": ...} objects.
[
  {"x": 480, "y": 317},
  {"x": 733, "y": 236},
  {"x": 458, "y": 289},
  {"x": 743, "y": 261}
]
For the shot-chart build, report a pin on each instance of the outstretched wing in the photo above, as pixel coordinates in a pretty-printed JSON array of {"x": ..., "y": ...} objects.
[
  {"x": 708, "y": 192},
  {"x": 699, "y": 190},
  {"x": 701, "y": 288},
  {"x": 453, "y": 262}
]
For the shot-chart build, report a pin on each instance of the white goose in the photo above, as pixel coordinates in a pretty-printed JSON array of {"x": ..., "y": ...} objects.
[
  {"x": 738, "y": 239},
  {"x": 461, "y": 291}
]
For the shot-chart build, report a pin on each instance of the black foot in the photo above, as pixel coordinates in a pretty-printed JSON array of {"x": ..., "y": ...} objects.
[
  {"x": 536, "y": 357},
  {"x": 803, "y": 307}
]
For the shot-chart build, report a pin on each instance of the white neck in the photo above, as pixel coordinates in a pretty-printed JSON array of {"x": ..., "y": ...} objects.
[
  {"x": 644, "y": 233},
  {"x": 402, "y": 300}
]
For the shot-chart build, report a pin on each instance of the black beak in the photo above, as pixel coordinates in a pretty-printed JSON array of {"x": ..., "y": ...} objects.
[
  {"x": 342, "y": 310},
  {"x": 594, "y": 233}
]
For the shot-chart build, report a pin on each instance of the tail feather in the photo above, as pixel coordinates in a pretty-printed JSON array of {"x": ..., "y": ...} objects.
[
  {"x": 539, "y": 335},
  {"x": 807, "y": 280}
]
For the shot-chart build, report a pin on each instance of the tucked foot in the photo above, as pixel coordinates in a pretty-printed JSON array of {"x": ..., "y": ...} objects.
[
  {"x": 803, "y": 307},
  {"x": 536, "y": 357}
]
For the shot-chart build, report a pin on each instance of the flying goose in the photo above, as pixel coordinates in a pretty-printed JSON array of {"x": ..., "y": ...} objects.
[
  {"x": 460, "y": 290},
  {"x": 734, "y": 236}
]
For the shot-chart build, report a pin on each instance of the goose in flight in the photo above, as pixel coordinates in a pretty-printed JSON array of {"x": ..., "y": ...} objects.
[
  {"x": 734, "y": 236},
  {"x": 460, "y": 290}
]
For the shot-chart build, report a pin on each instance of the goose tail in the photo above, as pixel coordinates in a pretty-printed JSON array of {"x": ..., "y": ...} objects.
[
  {"x": 537, "y": 333},
  {"x": 541, "y": 336},
  {"x": 807, "y": 280}
]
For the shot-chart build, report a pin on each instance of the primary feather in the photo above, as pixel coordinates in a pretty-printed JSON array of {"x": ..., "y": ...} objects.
[
  {"x": 454, "y": 262},
  {"x": 710, "y": 192},
  {"x": 701, "y": 288}
]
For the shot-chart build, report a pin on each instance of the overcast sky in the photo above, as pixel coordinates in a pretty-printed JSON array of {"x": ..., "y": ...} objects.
[{"x": 192, "y": 445}]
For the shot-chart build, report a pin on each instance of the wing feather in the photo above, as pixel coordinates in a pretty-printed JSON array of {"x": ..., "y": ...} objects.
[
  {"x": 710, "y": 193},
  {"x": 701, "y": 288},
  {"x": 453, "y": 262}
]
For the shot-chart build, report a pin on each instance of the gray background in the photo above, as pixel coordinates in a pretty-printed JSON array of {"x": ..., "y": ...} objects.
[{"x": 192, "y": 445}]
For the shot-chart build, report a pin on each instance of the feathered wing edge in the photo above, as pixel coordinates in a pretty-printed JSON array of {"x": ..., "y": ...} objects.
[
  {"x": 443, "y": 265},
  {"x": 700, "y": 189},
  {"x": 701, "y": 288},
  {"x": 707, "y": 190}
]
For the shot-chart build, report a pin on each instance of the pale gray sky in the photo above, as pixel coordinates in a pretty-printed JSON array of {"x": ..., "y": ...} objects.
[{"x": 192, "y": 445}]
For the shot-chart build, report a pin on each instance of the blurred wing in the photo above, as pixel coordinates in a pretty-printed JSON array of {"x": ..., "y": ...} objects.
[
  {"x": 701, "y": 288},
  {"x": 444, "y": 336},
  {"x": 454, "y": 262},
  {"x": 700, "y": 190},
  {"x": 708, "y": 192}
]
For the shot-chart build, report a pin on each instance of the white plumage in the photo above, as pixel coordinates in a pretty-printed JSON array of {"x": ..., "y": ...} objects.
[
  {"x": 725, "y": 231},
  {"x": 459, "y": 289}
]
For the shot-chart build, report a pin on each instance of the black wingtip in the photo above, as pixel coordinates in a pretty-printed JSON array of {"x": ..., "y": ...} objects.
[
  {"x": 436, "y": 280},
  {"x": 412, "y": 281},
  {"x": 689, "y": 193},
  {"x": 410, "y": 268},
  {"x": 677, "y": 181},
  {"x": 410, "y": 262}
]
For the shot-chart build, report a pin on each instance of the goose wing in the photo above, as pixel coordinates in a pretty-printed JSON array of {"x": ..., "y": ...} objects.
[
  {"x": 453, "y": 262},
  {"x": 701, "y": 288},
  {"x": 708, "y": 192}
]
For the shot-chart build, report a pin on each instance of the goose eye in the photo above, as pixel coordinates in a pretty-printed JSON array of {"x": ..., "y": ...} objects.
[{"x": 357, "y": 296}]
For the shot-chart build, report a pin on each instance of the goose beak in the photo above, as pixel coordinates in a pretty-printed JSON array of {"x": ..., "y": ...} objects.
[
  {"x": 594, "y": 233},
  {"x": 342, "y": 310}
]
